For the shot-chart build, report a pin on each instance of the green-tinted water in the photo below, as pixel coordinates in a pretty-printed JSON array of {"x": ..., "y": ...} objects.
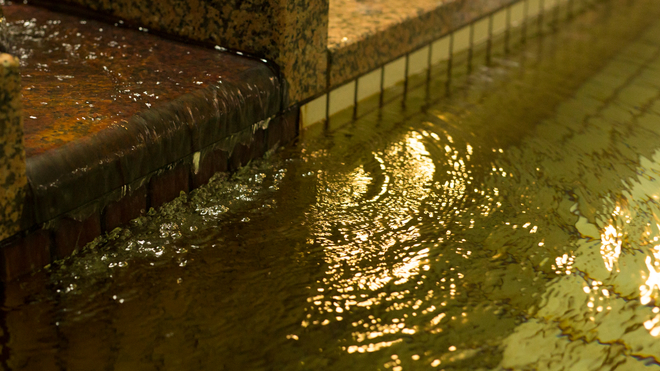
[{"x": 512, "y": 225}]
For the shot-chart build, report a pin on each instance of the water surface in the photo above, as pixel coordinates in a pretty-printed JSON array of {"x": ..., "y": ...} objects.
[{"x": 511, "y": 225}]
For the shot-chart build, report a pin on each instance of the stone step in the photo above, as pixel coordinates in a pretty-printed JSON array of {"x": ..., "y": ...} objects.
[{"x": 117, "y": 121}]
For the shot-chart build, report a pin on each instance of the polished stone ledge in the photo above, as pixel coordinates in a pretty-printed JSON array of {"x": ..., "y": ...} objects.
[{"x": 116, "y": 126}]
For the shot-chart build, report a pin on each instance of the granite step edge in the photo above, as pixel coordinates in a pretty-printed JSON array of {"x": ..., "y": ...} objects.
[
  {"x": 199, "y": 135},
  {"x": 150, "y": 140}
]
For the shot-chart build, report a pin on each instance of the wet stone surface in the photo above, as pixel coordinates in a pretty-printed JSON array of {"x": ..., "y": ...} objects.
[
  {"x": 81, "y": 76},
  {"x": 105, "y": 106}
]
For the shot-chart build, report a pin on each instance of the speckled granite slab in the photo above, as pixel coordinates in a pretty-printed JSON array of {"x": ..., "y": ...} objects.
[
  {"x": 292, "y": 33},
  {"x": 297, "y": 34},
  {"x": 104, "y": 106},
  {"x": 363, "y": 35},
  {"x": 12, "y": 155}
]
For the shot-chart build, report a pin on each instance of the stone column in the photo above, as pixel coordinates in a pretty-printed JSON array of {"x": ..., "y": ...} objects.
[
  {"x": 12, "y": 154},
  {"x": 292, "y": 33}
]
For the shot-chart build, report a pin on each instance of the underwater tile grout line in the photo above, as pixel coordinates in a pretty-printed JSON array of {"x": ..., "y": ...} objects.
[
  {"x": 507, "y": 31},
  {"x": 450, "y": 63},
  {"x": 522, "y": 25},
  {"x": 489, "y": 41},
  {"x": 470, "y": 51}
]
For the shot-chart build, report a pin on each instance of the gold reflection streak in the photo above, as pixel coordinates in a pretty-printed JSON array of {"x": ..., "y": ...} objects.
[
  {"x": 371, "y": 347},
  {"x": 356, "y": 233},
  {"x": 598, "y": 299},
  {"x": 396, "y": 213},
  {"x": 563, "y": 264},
  {"x": 610, "y": 248},
  {"x": 386, "y": 181},
  {"x": 653, "y": 281}
]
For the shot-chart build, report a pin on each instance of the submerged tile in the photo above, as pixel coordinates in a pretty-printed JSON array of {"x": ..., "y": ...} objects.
[
  {"x": 342, "y": 98},
  {"x": 369, "y": 84},
  {"x": 314, "y": 111}
]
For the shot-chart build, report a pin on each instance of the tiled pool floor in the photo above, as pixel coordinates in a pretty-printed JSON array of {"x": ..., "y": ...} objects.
[{"x": 603, "y": 311}]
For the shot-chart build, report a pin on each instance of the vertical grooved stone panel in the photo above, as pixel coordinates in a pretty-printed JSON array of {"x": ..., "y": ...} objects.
[
  {"x": 124, "y": 210},
  {"x": 168, "y": 185},
  {"x": 72, "y": 235},
  {"x": 25, "y": 254},
  {"x": 283, "y": 129},
  {"x": 211, "y": 161}
]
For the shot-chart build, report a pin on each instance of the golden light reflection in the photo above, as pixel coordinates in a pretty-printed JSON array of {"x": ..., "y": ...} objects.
[
  {"x": 564, "y": 264},
  {"x": 610, "y": 248},
  {"x": 366, "y": 221},
  {"x": 598, "y": 299},
  {"x": 648, "y": 289},
  {"x": 652, "y": 324},
  {"x": 371, "y": 347}
]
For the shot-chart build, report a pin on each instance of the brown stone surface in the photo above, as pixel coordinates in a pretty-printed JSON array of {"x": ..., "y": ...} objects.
[
  {"x": 82, "y": 76},
  {"x": 388, "y": 29},
  {"x": 282, "y": 129},
  {"x": 292, "y": 33},
  {"x": 25, "y": 254},
  {"x": 105, "y": 106},
  {"x": 12, "y": 154},
  {"x": 211, "y": 161},
  {"x": 71, "y": 235},
  {"x": 168, "y": 184},
  {"x": 129, "y": 207}
]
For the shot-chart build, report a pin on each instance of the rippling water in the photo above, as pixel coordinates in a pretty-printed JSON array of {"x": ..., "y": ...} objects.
[{"x": 513, "y": 225}]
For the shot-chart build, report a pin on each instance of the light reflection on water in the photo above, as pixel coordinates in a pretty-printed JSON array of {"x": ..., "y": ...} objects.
[
  {"x": 377, "y": 228},
  {"x": 450, "y": 239}
]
